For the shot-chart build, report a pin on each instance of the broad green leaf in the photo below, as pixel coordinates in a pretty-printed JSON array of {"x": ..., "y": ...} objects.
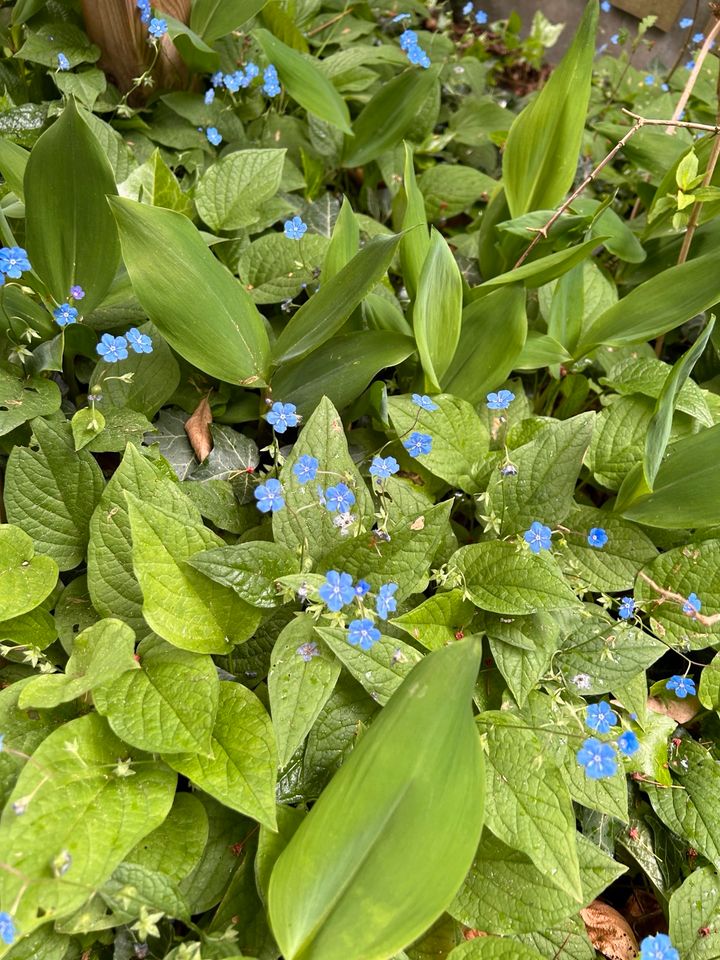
[
  {"x": 180, "y": 604},
  {"x": 175, "y": 847},
  {"x": 213, "y": 19},
  {"x": 417, "y": 773},
  {"x": 43, "y": 45},
  {"x": 25, "y": 579},
  {"x": 13, "y": 161},
  {"x": 450, "y": 189},
  {"x": 23, "y": 399},
  {"x": 608, "y": 795},
  {"x": 327, "y": 311},
  {"x": 694, "y": 909},
  {"x": 538, "y": 272},
  {"x": 232, "y": 189},
  {"x": 155, "y": 183},
  {"x": 35, "y": 629},
  {"x": 493, "y": 948},
  {"x": 51, "y": 492},
  {"x": 227, "y": 339},
  {"x": 437, "y": 311},
  {"x": 302, "y": 676},
  {"x": 381, "y": 669},
  {"x": 304, "y": 81},
  {"x": 415, "y": 241},
  {"x": 523, "y": 668},
  {"x": 647, "y": 375},
  {"x": 133, "y": 887},
  {"x": 86, "y": 425},
  {"x": 543, "y": 145},
  {"x": 194, "y": 51},
  {"x": 85, "y": 810},
  {"x": 438, "y": 619},
  {"x": 271, "y": 845},
  {"x": 618, "y": 439},
  {"x": 251, "y": 569},
  {"x": 344, "y": 242},
  {"x": 70, "y": 233},
  {"x": 241, "y": 771},
  {"x": 540, "y": 350},
  {"x": 274, "y": 268},
  {"x": 168, "y": 705}
]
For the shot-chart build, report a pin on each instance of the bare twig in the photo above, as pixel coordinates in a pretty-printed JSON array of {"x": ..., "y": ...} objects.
[
  {"x": 679, "y": 598},
  {"x": 328, "y": 23},
  {"x": 694, "y": 74}
]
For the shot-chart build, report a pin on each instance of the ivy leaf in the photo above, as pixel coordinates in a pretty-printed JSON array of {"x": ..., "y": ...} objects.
[{"x": 25, "y": 579}]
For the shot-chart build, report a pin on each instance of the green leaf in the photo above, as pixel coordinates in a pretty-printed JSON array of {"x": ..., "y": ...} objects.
[
  {"x": 70, "y": 233},
  {"x": 299, "y": 683},
  {"x": 241, "y": 771},
  {"x": 521, "y": 668},
  {"x": 541, "y": 271},
  {"x": 327, "y": 311},
  {"x": 344, "y": 242},
  {"x": 274, "y": 268},
  {"x": 541, "y": 153},
  {"x": 175, "y": 847},
  {"x": 213, "y": 19},
  {"x": 618, "y": 438},
  {"x": 648, "y": 375},
  {"x": 180, "y": 604},
  {"x": 493, "y": 948},
  {"x": 304, "y": 81},
  {"x": 84, "y": 809},
  {"x": 195, "y": 52},
  {"x": 230, "y": 192},
  {"x": 166, "y": 706},
  {"x": 13, "y": 161},
  {"x": 437, "y": 311},
  {"x": 43, "y": 45},
  {"x": 438, "y": 619},
  {"x": 361, "y": 841},
  {"x": 155, "y": 183},
  {"x": 251, "y": 569},
  {"x": 452, "y": 189},
  {"x": 381, "y": 669},
  {"x": 608, "y": 795},
  {"x": 86, "y": 424},
  {"x": 66, "y": 484},
  {"x": 415, "y": 241},
  {"x": 228, "y": 338},
  {"x": 694, "y": 908},
  {"x": 133, "y": 887},
  {"x": 25, "y": 579}
]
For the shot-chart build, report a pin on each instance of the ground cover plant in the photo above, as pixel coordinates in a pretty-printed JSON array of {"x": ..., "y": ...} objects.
[{"x": 360, "y": 514}]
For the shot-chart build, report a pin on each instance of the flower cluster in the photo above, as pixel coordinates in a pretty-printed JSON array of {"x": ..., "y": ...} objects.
[
  {"x": 599, "y": 759},
  {"x": 145, "y": 11},
  {"x": 271, "y": 82},
  {"x": 415, "y": 53},
  {"x": 339, "y": 591},
  {"x": 13, "y": 263},
  {"x": 238, "y": 80},
  {"x": 112, "y": 349}
]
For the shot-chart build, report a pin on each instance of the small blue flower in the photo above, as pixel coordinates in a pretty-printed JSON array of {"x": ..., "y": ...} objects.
[
  {"x": 539, "y": 537},
  {"x": 209, "y": 96},
  {"x": 481, "y": 17},
  {"x": 385, "y": 602},
  {"x": 649, "y": 80},
  {"x": 337, "y": 591},
  {"x": 158, "y": 28},
  {"x": 615, "y": 39},
  {"x": 14, "y": 261},
  {"x": 693, "y": 605},
  {"x": 690, "y": 65},
  {"x": 307, "y": 651},
  {"x": 111, "y": 348},
  {"x": 282, "y": 416},
  {"x": 418, "y": 56},
  {"x": 698, "y": 37},
  {"x": 339, "y": 499},
  {"x": 363, "y": 633},
  {"x": 660, "y": 946},
  {"x": 232, "y": 81},
  {"x": 139, "y": 342},
  {"x": 306, "y": 468},
  {"x": 597, "y": 538},
  {"x": 2, "y": 741},
  {"x": 214, "y": 136},
  {"x": 271, "y": 83},
  {"x": 63, "y": 62},
  {"x": 686, "y": 22},
  {"x": 605, "y": 6},
  {"x": 628, "y": 743},
  {"x": 407, "y": 39},
  {"x": 400, "y": 16},
  {"x": 76, "y": 292},
  {"x": 418, "y": 444},
  {"x": 65, "y": 314},
  {"x": 467, "y": 9},
  {"x": 500, "y": 400},
  {"x": 361, "y": 588},
  {"x": 627, "y": 608},
  {"x": 269, "y": 496},
  {"x": 424, "y": 402},
  {"x": 597, "y": 758},
  {"x": 295, "y": 229},
  {"x": 383, "y": 467},
  {"x": 7, "y": 928},
  {"x": 145, "y": 11},
  {"x": 681, "y": 685},
  {"x": 217, "y": 78},
  {"x": 600, "y": 717},
  {"x": 252, "y": 70},
  {"x": 664, "y": 87}
]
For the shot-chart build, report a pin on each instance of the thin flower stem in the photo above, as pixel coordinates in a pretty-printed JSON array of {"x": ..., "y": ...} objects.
[
  {"x": 679, "y": 598},
  {"x": 694, "y": 74}
]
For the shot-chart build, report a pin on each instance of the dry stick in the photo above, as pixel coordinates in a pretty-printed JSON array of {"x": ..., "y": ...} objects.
[
  {"x": 695, "y": 73},
  {"x": 679, "y": 598},
  {"x": 683, "y": 51}
]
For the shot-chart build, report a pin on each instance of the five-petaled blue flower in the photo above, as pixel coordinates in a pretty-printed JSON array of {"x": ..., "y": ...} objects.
[
  {"x": 418, "y": 444},
  {"x": 467, "y": 9},
  {"x": 271, "y": 82},
  {"x": 481, "y": 17},
  {"x": 158, "y": 28},
  {"x": 600, "y": 717},
  {"x": 686, "y": 22},
  {"x": 76, "y": 292},
  {"x": 385, "y": 602},
  {"x": 145, "y": 10},
  {"x": 407, "y": 39},
  {"x": 252, "y": 70},
  {"x": 628, "y": 743},
  {"x": 63, "y": 62},
  {"x": 690, "y": 65},
  {"x": 217, "y": 78},
  {"x": 597, "y": 758},
  {"x": 65, "y": 314},
  {"x": 605, "y": 6},
  {"x": 363, "y": 633},
  {"x": 627, "y": 608},
  {"x": 339, "y": 499},
  {"x": 693, "y": 605},
  {"x": 698, "y": 37},
  {"x": 649, "y": 80},
  {"x": 111, "y": 348},
  {"x": 139, "y": 342},
  {"x": 282, "y": 416},
  {"x": 214, "y": 136},
  {"x": 658, "y": 947},
  {"x": 13, "y": 262},
  {"x": 7, "y": 928},
  {"x": 597, "y": 538},
  {"x": 361, "y": 588},
  {"x": 417, "y": 55},
  {"x": 295, "y": 229},
  {"x": 383, "y": 467},
  {"x": 681, "y": 685},
  {"x": 232, "y": 81},
  {"x": 500, "y": 400},
  {"x": 424, "y": 402},
  {"x": 307, "y": 651},
  {"x": 269, "y": 496},
  {"x": 337, "y": 591},
  {"x": 615, "y": 39},
  {"x": 306, "y": 468},
  {"x": 538, "y": 537}
]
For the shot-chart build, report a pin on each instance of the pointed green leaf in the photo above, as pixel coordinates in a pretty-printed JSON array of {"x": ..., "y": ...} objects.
[
  {"x": 230, "y": 192},
  {"x": 415, "y": 241},
  {"x": 437, "y": 311},
  {"x": 25, "y": 580},
  {"x": 175, "y": 847},
  {"x": 213, "y": 19},
  {"x": 381, "y": 669},
  {"x": 24, "y": 399},
  {"x": 251, "y": 569}
]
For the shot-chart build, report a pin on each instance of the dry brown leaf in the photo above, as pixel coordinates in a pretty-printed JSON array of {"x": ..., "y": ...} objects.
[
  {"x": 681, "y": 711},
  {"x": 197, "y": 428},
  {"x": 609, "y": 932}
]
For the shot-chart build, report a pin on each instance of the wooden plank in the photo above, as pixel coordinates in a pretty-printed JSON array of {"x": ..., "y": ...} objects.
[{"x": 666, "y": 11}]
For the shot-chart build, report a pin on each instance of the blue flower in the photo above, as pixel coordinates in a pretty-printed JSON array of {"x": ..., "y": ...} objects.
[
  {"x": 693, "y": 605},
  {"x": 385, "y": 602},
  {"x": 307, "y": 651},
  {"x": 597, "y": 758},
  {"x": 467, "y": 9},
  {"x": 65, "y": 314},
  {"x": 500, "y": 400},
  {"x": 139, "y": 342},
  {"x": 424, "y": 402},
  {"x": 361, "y": 588},
  {"x": 664, "y": 87},
  {"x": 363, "y": 634},
  {"x": 339, "y": 499},
  {"x": 649, "y": 80},
  {"x": 271, "y": 83},
  {"x": 63, "y": 62},
  {"x": 295, "y": 229},
  {"x": 600, "y": 717},
  {"x": 76, "y": 292},
  {"x": 408, "y": 38},
  {"x": 628, "y": 743},
  {"x": 539, "y": 537},
  {"x": 480, "y": 17},
  {"x": 252, "y": 70},
  {"x": 209, "y": 96},
  {"x": 627, "y": 608},
  {"x": 306, "y": 468},
  {"x": 337, "y": 591},
  {"x": 158, "y": 28},
  {"x": 145, "y": 11},
  {"x": 686, "y": 22},
  {"x": 418, "y": 444},
  {"x": 269, "y": 496},
  {"x": 214, "y": 136},
  {"x": 615, "y": 38},
  {"x": 232, "y": 81},
  {"x": 2, "y": 740},
  {"x": 605, "y": 6},
  {"x": 698, "y": 37},
  {"x": 112, "y": 349},
  {"x": 417, "y": 55},
  {"x": 217, "y": 78},
  {"x": 13, "y": 262},
  {"x": 282, "y": 416},
  {"x": 597, "y": 538},
  {"x": 7, "y": 928},
  {"x": 690, "y": 65},
  {"x": 383, "y": 467},
  {"x": 660, "y": 946},
  {"x": 681, "y": 685},
  {"x": 400, "y": 16}
]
